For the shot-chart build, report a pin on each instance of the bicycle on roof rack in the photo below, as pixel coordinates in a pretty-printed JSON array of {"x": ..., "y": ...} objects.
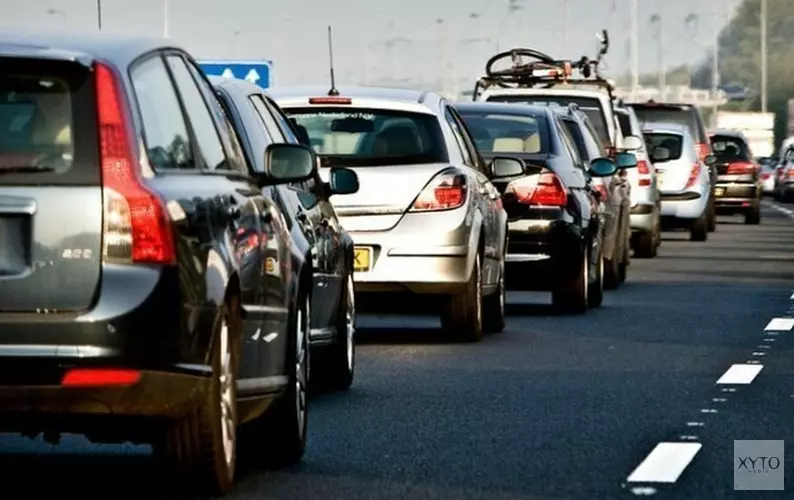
[{"x": 532, "y": 68}]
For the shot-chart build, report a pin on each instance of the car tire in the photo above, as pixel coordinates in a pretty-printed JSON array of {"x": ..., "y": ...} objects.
[
  {"x": 463, "y": 315},
  {"x": 493, "y": 309},
  {"x": 336, "y": 368},
  {"x": 611, "y": 281},
  {"x": 753, "y": 217},
  {"x": 202, "y": 445},
  {"x": 712, "y": 217},
  {"x": 595, "y": 291},
  {"x": 572, "y": 296},
  {"x": 645, "y": 245},
  {"x": 699, "y": 230}
]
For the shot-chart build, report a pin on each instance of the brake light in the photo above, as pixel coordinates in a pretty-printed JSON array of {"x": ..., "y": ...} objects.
[
  {"x": 766, "y": 175},
  {"x": 97, "y": 377},
  {"x": 703, "y": 150},
  {"x": 741, "y": 168},
  {"x": 645, "y": 173},
  {"x": 602, "y": 191},
  {"x": 446, "y": 191},
  {"x": 330, "y": 100},
  {"x": 693, "y": 176},
  {"x": 136, "y": 228},
  {"x": 544, "y": 189}
]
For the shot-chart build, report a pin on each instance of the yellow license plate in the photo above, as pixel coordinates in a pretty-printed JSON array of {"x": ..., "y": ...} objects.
[
  {"x": 719, "y": 191},
  {"x": 362, "y": 258}
]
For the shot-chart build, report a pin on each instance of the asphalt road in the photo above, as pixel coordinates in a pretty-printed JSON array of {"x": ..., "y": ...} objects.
[{"x": 555, "y": 407}]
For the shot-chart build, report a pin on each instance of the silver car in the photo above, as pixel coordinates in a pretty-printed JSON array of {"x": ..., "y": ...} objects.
[{"x": 426, "y": 222}]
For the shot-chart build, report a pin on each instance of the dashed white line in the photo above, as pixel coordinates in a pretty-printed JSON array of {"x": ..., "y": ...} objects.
[
  {"x": 780, "y": 325},
  {"x": 665, "y": 463},
  {"x": 792, "y": 296},
  {"x": 740, "y": 374}
]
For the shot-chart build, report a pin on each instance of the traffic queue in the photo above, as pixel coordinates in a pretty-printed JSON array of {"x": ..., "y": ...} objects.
[{"x": 231, "y": 234}]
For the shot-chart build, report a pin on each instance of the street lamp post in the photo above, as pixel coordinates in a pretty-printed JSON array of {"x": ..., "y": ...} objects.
[
  {"x": 99, "y": 14},
  {"x": 57, "y": 12},
  {"x": 657, "y": 26},
  {"x": 763, "y": 58}
]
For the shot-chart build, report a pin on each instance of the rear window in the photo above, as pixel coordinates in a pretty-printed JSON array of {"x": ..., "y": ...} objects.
[
  {"x": 672, "y": 142},
  {"x": 684, "y": 115},
  {"x": 372, "y": 137},
  {"x": 506, "y": 133},
  {"x": 728, "y": 148},
  {"x": 590, "y": 105},
  {"x": 47, "y": 123}
]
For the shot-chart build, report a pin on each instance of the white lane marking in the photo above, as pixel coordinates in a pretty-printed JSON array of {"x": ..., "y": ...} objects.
[
  {"x": 643, "y": 491},
  {"x": 695, "y": 424},
  {"x": 256, "y": 334},
  {"x": 780, "y": 324},
  {"x": 792, "y": 296},
  {"x": 780, "y": 209},
  {"x": 665, "y": 463},
  {"x": 740, "y": 374},
  {"x": 270, "y": 337}
]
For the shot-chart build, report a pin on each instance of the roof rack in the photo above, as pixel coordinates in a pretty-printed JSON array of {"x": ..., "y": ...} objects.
[{"x": 541, "y": 70}]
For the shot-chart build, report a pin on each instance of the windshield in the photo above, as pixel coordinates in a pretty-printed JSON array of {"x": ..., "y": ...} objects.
[
  {"x": 728, "y": 148},
  {"x": 590, "y": 105},
  {"x": 372, "y": 137},
  {"x": 684, "y": 116},
  {"x": 507, "y": 133},
  {"x": 674, "y": 143}
]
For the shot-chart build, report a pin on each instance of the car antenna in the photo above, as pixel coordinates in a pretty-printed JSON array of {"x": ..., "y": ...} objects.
[{"x": 332, "y": 91}]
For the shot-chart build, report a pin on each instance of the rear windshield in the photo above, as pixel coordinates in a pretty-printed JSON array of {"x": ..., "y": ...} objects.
[
  {"x": 728, "y": 148},
  {"x": 672, "y": 142},
  {"x": 685, "y": 116},
  {"x": 47, "y": 125},
  {"x": 590, "y": 105},
  {"x": 506, "y": 133},
  {"x": 372, "y": 137}
]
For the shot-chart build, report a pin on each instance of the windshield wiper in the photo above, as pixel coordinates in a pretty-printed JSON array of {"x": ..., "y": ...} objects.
[{"x": 24, "y": 169}]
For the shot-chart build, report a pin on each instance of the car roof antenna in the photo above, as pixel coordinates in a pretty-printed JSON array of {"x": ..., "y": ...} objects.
[{"x": 332, "y": 91}]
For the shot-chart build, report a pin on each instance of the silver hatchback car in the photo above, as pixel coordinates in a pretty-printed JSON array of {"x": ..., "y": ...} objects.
[{"x": 426, "y": 222}]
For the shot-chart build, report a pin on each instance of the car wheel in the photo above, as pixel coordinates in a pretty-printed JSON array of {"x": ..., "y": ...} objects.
[
  {"x": 336, "y": 368},
  {"x": 611, "y": 281},
  {"x": 463, "y": 316},
  {"x": 596, "y": 288},
  {"x": 493, "y": 311},
  {"x": 712, "y": 218},
  {"x": 753, "y": 217},
  {"x": 699, "y": 230},
  {"x": 572, "y": 297},
  {"x": 623, "y": 266},
  {"x": 202, "y": 445},
  {"x": 645, "y": 245}
]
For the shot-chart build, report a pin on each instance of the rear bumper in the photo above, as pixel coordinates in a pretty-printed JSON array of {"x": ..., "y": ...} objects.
[
  {"x": 736, "y": 196},
  {"x": 686, "y": 205},
  {"x": 642, "y": 217}
]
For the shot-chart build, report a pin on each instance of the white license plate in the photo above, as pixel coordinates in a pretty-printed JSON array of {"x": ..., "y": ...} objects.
[{"x": 719, "y": 191}]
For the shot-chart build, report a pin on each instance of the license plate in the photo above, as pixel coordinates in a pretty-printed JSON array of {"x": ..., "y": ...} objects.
[
  {"x": 719, "y": 191},
  {"x": 660, "y": 178},
  {"x": 362, "y": 259}
]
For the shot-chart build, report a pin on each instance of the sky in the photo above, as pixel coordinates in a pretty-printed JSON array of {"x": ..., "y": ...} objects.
[{"x": 435, "y": 42}]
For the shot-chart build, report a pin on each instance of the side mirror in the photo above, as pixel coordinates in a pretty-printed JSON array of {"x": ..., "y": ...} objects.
[
  {"x": 660, "y": 154},
  {"x": 632, "y": 143},
  {"x": 343, "y": 181},
  {"x": 289, "y": 163},
  {"x": 504, "y": 166},
  {"x": 625, "y": 160},
  {"x": 602, "y": 167},
  {"x": 710, "y": 160}
]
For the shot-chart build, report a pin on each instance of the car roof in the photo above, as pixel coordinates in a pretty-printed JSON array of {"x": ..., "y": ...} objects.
[
  {"x": 82, "y": 48},
  {"x": 501, "y": 107},
  {"x": 394, "y": 97},
  {"x": 243, "y": 86},
  {"x": 731, "y": 133},
  {"x": 665, "y": 127},
  {"x": 664, "y": 105}
]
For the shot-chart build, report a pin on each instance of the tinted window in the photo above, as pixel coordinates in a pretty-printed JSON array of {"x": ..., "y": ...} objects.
[
  {"x": 209, "y": 143},
  {"x": 728, "y": 148},
  {"x": 625, "y": 123},
  {"x": 578, "y": 139},
  {"x": 672, "y": 142},
  {"x": 372, "y": 137},
  {"x": 591, "y": 106},
  {"x": 683, "y": 115},
  {"x": 456, "y": 132},
  {"x": 506, "y": 133},
  {"x": 167, "y": 140},
  {"x": 285, "y": 126},
  {"x": 47, "y": 123},
  {"x": 269, "y": 123}
]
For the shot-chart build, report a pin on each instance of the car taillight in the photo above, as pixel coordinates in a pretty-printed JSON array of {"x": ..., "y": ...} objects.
[
  {"x": 693, "y": 176},
  {"x": 446, "y": 191},
  {"x": 741, "y": 168},
  {"x": 98, "y": 377},
  {"x": 136, "y": 228},
  {"x": 703, "y": 150},
  {"x": 544, "y": 188},
  {"x": 602, "y": 191},
  {"x": 790, "y": 172},
  {"x": 766, "y": 175},
  {"x": 644, "y": 172},
  {"x": 330, "y": 100}
]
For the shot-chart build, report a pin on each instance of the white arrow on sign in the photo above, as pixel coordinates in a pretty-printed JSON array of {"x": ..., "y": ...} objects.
[
  {"x": 227, "y": 73},
  {"x": 252, "y": 76}
]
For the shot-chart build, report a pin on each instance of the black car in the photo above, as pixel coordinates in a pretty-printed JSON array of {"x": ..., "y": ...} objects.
[
  {"x": 555, "y": 228},
  {"x": 136, "y": 303},
  {"x": 313, "y": 224},
  {"x": 738, "y": 189}
]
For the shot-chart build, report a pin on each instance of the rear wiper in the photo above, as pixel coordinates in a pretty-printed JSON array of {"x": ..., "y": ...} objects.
[{"x": 21, "y": 169}]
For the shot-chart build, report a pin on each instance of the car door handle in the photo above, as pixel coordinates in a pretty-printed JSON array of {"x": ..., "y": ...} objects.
[{"x": 301, "y": 216}]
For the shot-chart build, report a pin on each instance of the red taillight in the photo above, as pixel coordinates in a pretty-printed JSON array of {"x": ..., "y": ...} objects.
[
  {"x": 693, "y": 176},
  {"x": 97, "y": 377},
  {"x": 136, "y": 228},
  {"x": 703, "y": 150},
  {"x": 741, "y": 168},
  {"x": 644, "y": 172},
  {"x": 766, "y": 175},
  {"x": 602, "y": 191},
  {"x": 330, "y": 100},
  {"x": 446, "y": 191},
  {"x": 544, "y": 188}
]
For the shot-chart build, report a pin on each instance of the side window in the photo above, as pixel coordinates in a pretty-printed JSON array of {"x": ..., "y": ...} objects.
[
  {"x": 285, "y": 125},
  {"x": 267, "y": 119},
  {"x": 593, "y": 133},
  {"x": 468, "y": 143},
  {"x": 165, "y": 132},
  {"x": 209, "y": 143},
  {"x": 467, "y": 159},
  {"x": 576, "y": 134},
  {"x": 569, "y": 145}
]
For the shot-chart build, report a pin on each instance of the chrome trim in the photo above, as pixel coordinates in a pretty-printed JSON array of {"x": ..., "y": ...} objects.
[
  {"x": 262, "y": 383},
  {"x": 55, "y": 350},
  {"x": 526, "y": 257}
]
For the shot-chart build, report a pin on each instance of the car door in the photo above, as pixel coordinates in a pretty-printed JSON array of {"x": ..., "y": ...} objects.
[{"x": 206, "y": 182}]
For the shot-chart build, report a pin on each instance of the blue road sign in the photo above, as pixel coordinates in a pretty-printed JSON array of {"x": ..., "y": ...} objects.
[{"x": 257, "y": 72}]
